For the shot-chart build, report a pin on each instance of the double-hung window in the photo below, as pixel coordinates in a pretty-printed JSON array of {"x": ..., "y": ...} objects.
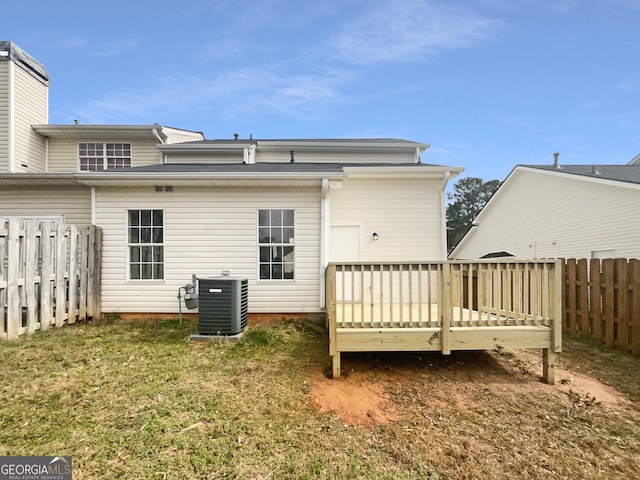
[
  {"x": 276, "y": 244},
  {"x": 145, "y": 241},
  {"x": 102, "y": 156}
]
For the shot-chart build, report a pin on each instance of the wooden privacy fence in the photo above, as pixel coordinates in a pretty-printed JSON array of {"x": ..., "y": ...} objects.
[
  {"x": 445, "y": 306},
  {"x": 49, "y": 275},
  {"x": 602, "y": 301}
]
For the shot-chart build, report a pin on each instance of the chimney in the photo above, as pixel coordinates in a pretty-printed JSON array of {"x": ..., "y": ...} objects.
[{"x": 555, "y": 160}]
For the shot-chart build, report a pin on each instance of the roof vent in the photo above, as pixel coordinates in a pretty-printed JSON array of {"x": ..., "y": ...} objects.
[
  {"x": 555, "y": 160},
  {"x": 235, "y": 136},
  {"x": 594, "y": 170}
]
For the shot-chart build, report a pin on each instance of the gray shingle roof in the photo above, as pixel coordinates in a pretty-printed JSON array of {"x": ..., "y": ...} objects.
[
  {"x": 619, "y": 173},
  {"x": 265, "y": 167}
]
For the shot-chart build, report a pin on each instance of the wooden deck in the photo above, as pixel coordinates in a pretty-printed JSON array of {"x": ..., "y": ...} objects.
[{"x": 444, "y": 306}]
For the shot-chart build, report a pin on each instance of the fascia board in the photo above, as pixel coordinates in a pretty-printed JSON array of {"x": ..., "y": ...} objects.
[
  {"x": 38, "y": 179},
  {"x": 340, "y": 145},
  {"x": 418, "y": 171},
  {"x": 575, "y": 176},
  {"x": 94, "y": 131},
  {"x": 196, "y": 178}
]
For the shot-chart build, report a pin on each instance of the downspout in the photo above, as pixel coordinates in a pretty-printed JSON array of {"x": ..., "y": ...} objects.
[
  {"x": 46, "y": 155},
  {"x": 324, "y": 240},
  {"x": 443, "y": 213}
]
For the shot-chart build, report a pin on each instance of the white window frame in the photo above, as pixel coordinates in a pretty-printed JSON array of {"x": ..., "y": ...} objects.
[
  {"x": 133, "y": 244},
  {"x": 288, "y": 243},
  {"x": 104, "y": 157}
]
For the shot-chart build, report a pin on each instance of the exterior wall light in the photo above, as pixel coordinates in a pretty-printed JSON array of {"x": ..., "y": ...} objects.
[{"x": 374, "y": 236}]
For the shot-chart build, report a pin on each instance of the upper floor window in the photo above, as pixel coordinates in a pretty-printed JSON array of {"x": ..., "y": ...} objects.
[
  {"x": 102, "y": 156},
  {"x": 276, "y": 242}
]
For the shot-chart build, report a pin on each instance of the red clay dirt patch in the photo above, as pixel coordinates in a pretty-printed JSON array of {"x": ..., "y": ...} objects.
[
  {"x": 356, "y": 399},
  {"x": 367, "y": 392}
]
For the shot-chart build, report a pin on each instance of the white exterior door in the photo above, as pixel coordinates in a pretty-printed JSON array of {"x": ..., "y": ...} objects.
[{"x": 345, "y": 247}]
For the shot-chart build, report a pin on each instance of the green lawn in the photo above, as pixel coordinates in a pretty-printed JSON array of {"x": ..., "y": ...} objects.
[{"x": 139, "y": 400}]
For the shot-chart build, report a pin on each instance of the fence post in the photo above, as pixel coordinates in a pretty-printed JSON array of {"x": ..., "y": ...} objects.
[
  {"x": 31, "y": 274},
  {"x": 97, "y": 273},
  {"x": 621, "y": 282},
  {"x": 595, "y": 298},
  {"x": 14, "y": 313},
  {"x": 46, "y": 303},
  {"x": 608, "y": 301},
  {"x": 61, "y": 265},
  {"x": 634, "y": 304}
]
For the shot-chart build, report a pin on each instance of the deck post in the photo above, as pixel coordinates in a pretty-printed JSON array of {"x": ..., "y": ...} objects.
[
  {"x": 548, "y": 366},
  {"x": 330, "y": 305},
  {"x": 335, "y": 365},
  {"x": 445, "y": 308},
  {"x": 555, "y": 297}
]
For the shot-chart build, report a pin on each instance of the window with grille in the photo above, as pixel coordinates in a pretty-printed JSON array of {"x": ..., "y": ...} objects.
[
  {"x": 102, "y": 156},
  {"x": 145, "y": 242},
  {"x": 276, "y": 244}
]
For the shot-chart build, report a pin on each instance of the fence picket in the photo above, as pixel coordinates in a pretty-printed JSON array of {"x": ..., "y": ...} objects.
[
  {"x": 42, "y": 263},
  {"x": 607, "y": 301},
  {"x": 633, "y": 311}
]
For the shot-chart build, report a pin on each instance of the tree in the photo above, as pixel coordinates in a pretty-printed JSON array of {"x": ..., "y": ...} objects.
[{"x": 469, "y": 195}]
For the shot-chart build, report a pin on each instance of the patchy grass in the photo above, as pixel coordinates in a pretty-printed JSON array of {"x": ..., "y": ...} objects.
[{"x": 139, "y": 400}]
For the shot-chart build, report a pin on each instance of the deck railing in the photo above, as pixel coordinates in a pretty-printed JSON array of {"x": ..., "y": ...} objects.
[{"x": 443, "y": 297}]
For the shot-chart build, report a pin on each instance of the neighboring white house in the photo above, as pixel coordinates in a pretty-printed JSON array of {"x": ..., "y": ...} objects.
[
  {"x": 567, "y": 211},
  {"x": 172, "y": 204}
]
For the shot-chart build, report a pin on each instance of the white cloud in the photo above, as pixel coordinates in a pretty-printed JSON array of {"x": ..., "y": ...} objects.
[
  {"x": 627, "y": 85},
  {"x": 408, "y": 30},
  {"x": 295, "y": 95}
]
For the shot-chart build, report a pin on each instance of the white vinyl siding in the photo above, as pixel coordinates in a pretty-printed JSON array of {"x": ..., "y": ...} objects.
[
  {"x": 74, "y": 203},
  {"x": 63, "y": 153},
  {"x": 4, "y": 116},
  {"x": 405, "y": 213},
  {"x": 31, "y": 103},
  {"x": 542, "y": 215},
  {"x": 206, "y": 231}
]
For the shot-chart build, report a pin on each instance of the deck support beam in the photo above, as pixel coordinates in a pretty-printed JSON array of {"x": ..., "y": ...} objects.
[
  {"x": 548, "y": 366},
  {"x": 335, "y": 362}
]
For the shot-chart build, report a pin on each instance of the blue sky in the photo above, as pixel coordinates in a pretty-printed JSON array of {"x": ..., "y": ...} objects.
[{"x": 488, "y": 83}]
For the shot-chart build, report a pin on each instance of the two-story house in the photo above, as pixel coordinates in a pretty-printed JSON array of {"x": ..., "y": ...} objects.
[{"x": 171, "y": 203}]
